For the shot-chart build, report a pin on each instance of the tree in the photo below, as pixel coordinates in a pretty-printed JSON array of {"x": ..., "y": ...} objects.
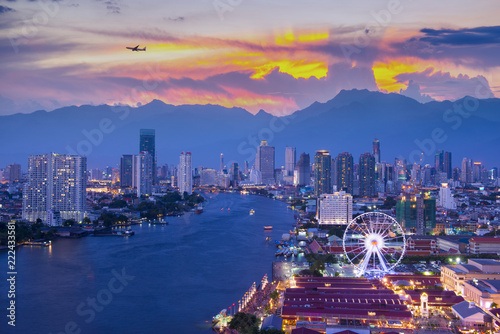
[
  {"x": 86, "y": 220},
  {"x": 69, "y": 222},
  {"x": 493, "y": 305},
  {"x": 245, "y": 323},
  {"x": 317, "y": 267}
]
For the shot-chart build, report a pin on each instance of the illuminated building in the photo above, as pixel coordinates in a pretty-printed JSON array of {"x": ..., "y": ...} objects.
[
  {"x": 56, "y": 188},
  {"x": 185, "y": 174},
  {"x": 322, "y": 173},
  {"x": 334, "y": 209},
  {"x": 416, "y": 213},
  {"x": 264, "y": 162},
  {"x": 143, "y": 174},
  {"x": 366, "y": 175},
  {"x": 376, "y": 150},
  {"x": 147, "y": 144},
  {"x": 345, "y": 176},
  {"x": 13, "y": 172},
  {"x": 443, "y": 163},
  {"x": 446, "y": 200},
  {"x": 454, "y": 276}
]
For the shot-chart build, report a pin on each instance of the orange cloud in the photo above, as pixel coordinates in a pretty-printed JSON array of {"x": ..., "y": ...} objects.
[{"x": 385, "y": 73}]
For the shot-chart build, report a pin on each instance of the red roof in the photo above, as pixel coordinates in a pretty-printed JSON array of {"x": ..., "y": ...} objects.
[
  {"x": 488, "y": 240},
  {"x": 303, "y": 330}
]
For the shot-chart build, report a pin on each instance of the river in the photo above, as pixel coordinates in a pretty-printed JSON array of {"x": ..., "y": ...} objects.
[{"x": 164, "y": 279}]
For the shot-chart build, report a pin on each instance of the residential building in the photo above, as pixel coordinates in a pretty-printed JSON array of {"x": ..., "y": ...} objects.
[
  {"x": 264, "y": 162},
  {"x": 147, "y": 143},
  {"x": 143, "y": 174},
  {"x": 56, "y": 188},
  {"x": 185, "y": 174},
  {"x": 366, "y": 175},
  {"x": 322, "y": 173},
  {"x": 302, "y": 172},
  {"x": 345, "y": 170}
]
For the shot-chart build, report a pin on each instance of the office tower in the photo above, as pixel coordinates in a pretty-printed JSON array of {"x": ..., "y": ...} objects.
[
  {"x": 147, "y": 144},
  {"x": 302, "y": 172},
  {"x": 345, "y": 172},
  {"x": 234, "y": 173},
  {"x": 446, "y": 200},
  {"x": 466, "y": 171},
  {"x": 456, "y": 174},
  {"x": 185, "y": 177},
  {"x": 322, "y": 173},
  {"x": 56, "y": 188},
  {"x": 247, "y": 168},
  {"x": 290, "y": 159},
  {"x": 13, "y": 172},
  {"x": 443, "y": 163},
  {"x": 143, "y": 174},
  {"x": 376, "y": 150},
  {"x": 221, "y": 169},
  {"x": 126, "y": 171},
  {"x": 334, "y": 209},
  {"x": 416, "y": 213},
  {"x": 264, "y": 162},
  {"x": 477, "y": 172},
  {"x": 366, "y": 175}
]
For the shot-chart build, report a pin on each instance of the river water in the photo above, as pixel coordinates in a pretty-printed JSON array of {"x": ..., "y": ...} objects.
[{"x": 164, "y": 279}]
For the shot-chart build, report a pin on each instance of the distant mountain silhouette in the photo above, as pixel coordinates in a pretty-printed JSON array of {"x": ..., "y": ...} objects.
[{"x": 348, "y": 122}]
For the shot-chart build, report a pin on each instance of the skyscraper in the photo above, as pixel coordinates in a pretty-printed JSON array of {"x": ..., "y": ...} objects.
[
  {"x": 334, "y": 209},
  {"x": 466, "y": 171},
  {"x": 366, "y": 175},
  {"x": 322, "y": 173},
  {"x": 345, "y": 176},
  {"x": 302, "y": 172},
  {"x": 264, "y": 162},
  {"x": 443, "y": 163},
  {"x": 234, "y": 173},
  {"x": 56, "y": 188},
  {"x": 143, "y": 174},
  {"x": 126, "y": 170},
  {"x": 290, "y": 159},
  {"x": 416, "y": 213},
  {"x": 376, "y": 150},
  {"x": 221, "y": 169},
  {"x": 185, "y": 176},
  {"x": 147, "y": 144}
]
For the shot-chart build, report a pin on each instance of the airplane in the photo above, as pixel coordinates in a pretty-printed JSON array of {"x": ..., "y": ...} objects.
[{"x": 136, "y": 48}]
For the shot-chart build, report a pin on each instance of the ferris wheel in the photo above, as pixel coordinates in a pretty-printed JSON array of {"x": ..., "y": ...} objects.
[{"x": 374, "y": 243}]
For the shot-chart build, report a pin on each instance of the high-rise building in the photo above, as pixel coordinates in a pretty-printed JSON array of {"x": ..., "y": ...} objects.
[
  {"x": 56, "y": 188},
  {"x": 185, "y": 176},
  {"x": 493, "y": 174},
  {"x": 366, "y": 175},
  {"x": 302, "y": 172},
  {"x": 264, "y": 162},
  {"x": 376, "y": 150},
  {"x": 443, "y": 163},
  {"x": 221, "y": 169},
  {"x": 96, "y": 174},
  {"x": 322, "y": 173},
  {"x": 416, "y": 213},
  {"x": 234, "y": 173},
  {"x": 466, "y": 171},
  {"x": 345, "y": 172},
  {"x": 143, "y": 174},
  {"x": 13, "y": 172},
  {"x": 147, "y": 143},
  {"x": 126, "y": 171},
  {"x": 290, "y": 159},
  {"x": 446, "y": 200},
  {"x": 477, "y": 172},
  {"x": 334, "y": 209}
]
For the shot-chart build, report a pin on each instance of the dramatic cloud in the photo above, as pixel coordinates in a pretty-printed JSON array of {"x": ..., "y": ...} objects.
[
  {"x": 466, "y": 36},
  {"x": 413, "y": 91},
  {"x": 442, "y": 86}
]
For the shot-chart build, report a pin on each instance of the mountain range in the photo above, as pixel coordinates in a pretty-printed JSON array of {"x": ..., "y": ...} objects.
[{"x": 349, "y": 122}]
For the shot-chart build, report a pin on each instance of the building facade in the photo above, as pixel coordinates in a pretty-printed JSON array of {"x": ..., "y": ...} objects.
[
  {"x": 366, "y": 175},
  {"x": 302, "y": 172},
  {"x": 56, "y": 188},
  {"x": 264, "y": 162},
  {"x": 147, "y": 143},
  {"x": 185, "y": 174},
  {"x": 345, "y": 172},
  {"x": 143, "y": 174},
  {"x": 334, "y": 209},
  {"x": 322, "y": 173}
]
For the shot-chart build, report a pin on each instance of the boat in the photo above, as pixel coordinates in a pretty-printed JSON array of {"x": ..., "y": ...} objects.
[
  {"x": 130, "y": 232},
  {"x": 198, "y": 210},
  {"x": 252, "y": 212},
  {"x": 268, "y": 238},
  {"x": 267, "y": 228}
]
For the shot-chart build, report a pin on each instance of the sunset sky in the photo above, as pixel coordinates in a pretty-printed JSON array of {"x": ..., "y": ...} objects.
[{"x": 279, "y": 56}]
